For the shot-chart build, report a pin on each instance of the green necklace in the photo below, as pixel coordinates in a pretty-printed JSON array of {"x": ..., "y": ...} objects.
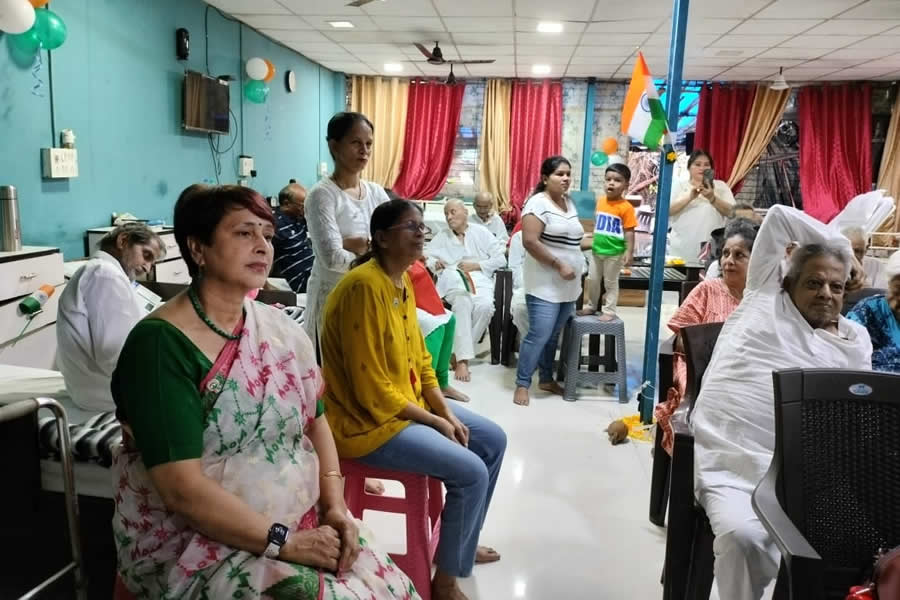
[{"x": 192, "y": 294}]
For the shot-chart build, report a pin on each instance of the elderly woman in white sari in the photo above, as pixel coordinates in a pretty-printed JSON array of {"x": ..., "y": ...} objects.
[
  {"x": 789, "y": 318},
  {"x": 465, "y": 257}
]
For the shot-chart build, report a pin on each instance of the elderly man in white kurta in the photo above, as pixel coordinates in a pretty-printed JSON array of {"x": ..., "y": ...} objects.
[
  {"x": 789, "y": 318},
  {"x": 486, "y": 214},
  {"x": 465, "y": 256}
]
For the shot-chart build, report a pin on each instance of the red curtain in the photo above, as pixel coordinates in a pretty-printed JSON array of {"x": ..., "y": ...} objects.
[
  {"x": 432, "y": 121},
  {"x": 721, "y": 122},
  {"x": 835, "y": 146},
  {"x": 535, "y": 132}
]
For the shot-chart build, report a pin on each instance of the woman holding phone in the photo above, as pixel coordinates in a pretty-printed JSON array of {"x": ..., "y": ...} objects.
[{"x": 698, "y": 206}]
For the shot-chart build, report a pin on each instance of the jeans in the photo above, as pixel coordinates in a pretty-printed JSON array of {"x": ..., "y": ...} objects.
[
  {"x": 538, "y": 349},
  {"x": 469, "y": 474}
]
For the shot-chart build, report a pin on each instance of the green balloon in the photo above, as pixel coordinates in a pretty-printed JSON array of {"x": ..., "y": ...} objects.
[
  {"x": 50, "y": 29},
  {"x": 598, "y": 159},
  {"x": 256, "y": 91},
  {"x": 26, "y": 44}
]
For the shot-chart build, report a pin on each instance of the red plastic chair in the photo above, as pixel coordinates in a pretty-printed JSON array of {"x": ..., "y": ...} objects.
[{"x": 422, "y": 504}]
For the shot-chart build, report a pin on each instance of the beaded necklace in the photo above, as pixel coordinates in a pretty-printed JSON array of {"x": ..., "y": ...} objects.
[{"x": 195, "y": 301}]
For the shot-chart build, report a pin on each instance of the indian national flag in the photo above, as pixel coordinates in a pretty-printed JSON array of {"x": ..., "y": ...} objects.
[{"x": 643, "y": 116}]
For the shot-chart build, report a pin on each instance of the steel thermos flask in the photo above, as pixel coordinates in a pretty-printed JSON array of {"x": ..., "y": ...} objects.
[{"x": 11, "y": 233}]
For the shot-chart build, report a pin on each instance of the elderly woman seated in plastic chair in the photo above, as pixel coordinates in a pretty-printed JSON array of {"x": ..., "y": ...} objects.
[
  {"x": 228, "y": 482},
  {"x": 384, "y": 402},
  {"x": 880, "y": 315}
]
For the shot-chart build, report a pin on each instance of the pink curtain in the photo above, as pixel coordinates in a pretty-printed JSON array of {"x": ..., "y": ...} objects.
[
  {"x": 835, "y": 146},
  {"x": 432, "y": 121},
  {"x": 721, "y": 122},
  {"x": 535, "y": 132}
]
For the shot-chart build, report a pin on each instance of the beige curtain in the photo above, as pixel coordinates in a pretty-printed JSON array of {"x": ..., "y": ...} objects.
[
  {"x": 493, "y": 166},
  {"x": 384, "y": 101},
  {"x": 889, "y": 175},
  {"x": 765, "y": 115}
]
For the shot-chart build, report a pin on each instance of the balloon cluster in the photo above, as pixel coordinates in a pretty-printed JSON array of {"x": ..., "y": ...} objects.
[
  {"x": 260, "y": 71},
  {"x": 607, "y": 153},
  {"x": 30, "y": 29}
]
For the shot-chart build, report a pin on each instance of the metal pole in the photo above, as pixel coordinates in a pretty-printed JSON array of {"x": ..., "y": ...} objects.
[
  {"x": 654, "y": 302},
  {"x": 588, "y": 136}
]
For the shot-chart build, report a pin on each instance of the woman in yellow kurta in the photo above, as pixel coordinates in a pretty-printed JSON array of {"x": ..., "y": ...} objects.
[{"x": 383, "y": 401}]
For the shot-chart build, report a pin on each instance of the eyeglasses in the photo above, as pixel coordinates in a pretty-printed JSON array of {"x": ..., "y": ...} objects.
[{"x": 414, "y": 227}]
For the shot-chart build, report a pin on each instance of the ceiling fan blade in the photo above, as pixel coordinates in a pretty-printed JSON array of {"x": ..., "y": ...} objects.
[
  {"x": 424, "y": 51},
  {"x": 472, "y": 62},
  {"x": 358, "y": 3}
]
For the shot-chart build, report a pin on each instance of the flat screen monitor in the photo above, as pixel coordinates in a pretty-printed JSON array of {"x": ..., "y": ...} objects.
[{"x": 205, "y": 103}]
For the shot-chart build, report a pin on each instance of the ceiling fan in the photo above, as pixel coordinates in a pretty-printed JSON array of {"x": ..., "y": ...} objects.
[{"x": 436, "y": 57}]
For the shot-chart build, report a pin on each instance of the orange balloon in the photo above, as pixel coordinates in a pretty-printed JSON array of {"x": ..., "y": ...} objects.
[
  {"x": 38, "y": 3},
  {"x": 609, "y": 145},
  {"x": 271, "y": 72}
]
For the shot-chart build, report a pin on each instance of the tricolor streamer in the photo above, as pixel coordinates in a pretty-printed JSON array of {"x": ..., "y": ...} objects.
[{"x": 38, "y": 88}]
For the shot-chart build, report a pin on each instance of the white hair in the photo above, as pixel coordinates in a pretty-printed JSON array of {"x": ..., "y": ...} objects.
[
  {"x": 802, "y": 255},
  {"x": 452, "y": 201}
]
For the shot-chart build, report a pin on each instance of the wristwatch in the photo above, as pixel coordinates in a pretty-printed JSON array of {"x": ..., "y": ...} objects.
[{"x": 278, "y": 534}]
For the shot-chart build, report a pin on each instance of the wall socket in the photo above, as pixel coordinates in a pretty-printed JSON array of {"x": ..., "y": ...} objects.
[
  {"x": 59, "y": 163},
  {"x": 245, "y": 166}
]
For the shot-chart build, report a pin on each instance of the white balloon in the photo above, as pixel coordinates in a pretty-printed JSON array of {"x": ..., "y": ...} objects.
[
  {"x": 16, "y": 16},
  {"x": 257, "y": 68},
  {"x": 615, "y": 159}
]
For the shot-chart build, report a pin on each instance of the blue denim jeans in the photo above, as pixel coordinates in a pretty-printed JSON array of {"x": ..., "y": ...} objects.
[
  {"x": 469, "y": 474},
  {"x": 538, "y": 349}
]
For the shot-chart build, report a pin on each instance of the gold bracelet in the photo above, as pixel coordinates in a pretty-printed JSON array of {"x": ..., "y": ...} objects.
[{"x": 332, "y": 474}]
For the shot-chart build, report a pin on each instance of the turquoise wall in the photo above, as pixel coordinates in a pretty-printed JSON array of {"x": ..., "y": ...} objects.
[{"x": 117, "y": 84}]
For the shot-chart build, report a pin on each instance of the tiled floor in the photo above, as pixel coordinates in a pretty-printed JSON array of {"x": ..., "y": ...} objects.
[{"x": 569, "y": 515}]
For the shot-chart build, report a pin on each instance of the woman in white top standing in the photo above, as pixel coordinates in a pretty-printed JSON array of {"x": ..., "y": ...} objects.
[
  {"x": 698, "y": 206},
  {"x": 338, "y": 211},
  {"x": 554, "y": 239}
]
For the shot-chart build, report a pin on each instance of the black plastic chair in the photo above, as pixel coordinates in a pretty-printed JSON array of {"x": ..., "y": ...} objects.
[
  {"x": 688, "y": 567},
  {"x": 830, "y": 497},
  {"x": 851, "y": 298},
  {"x": 662, "y": 462}
]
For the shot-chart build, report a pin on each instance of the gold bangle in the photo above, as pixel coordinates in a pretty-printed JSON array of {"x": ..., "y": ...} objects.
[{"x": 332, "y": 474}]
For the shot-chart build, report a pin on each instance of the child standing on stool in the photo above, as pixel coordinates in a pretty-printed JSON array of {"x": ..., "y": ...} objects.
[{"x": 613, "y": 246}]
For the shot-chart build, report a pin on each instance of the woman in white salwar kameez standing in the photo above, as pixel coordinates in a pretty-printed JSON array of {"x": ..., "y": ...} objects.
[
  {"x": 789, "y": 318},
  {"x": 338, "y": 211}
]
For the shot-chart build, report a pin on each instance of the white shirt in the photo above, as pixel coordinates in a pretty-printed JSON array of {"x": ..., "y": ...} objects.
[
  {"x": 494, "y": 224},
  {"x": 876, "y": 276},
  {"x": 734, "y": 417},
  {"x": 693, "y": 225},
  {"x": 516, "y": 259},
  {"x": 479, "y": 246},
  {"x": 562, "y": 236},
  {"x": 97, "y": 310}
]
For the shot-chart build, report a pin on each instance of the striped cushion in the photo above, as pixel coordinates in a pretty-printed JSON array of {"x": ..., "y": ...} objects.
[{"x": 92, "y": 441}]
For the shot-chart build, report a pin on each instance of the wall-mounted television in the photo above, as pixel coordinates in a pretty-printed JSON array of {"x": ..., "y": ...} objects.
[{"x": 205, "y": 103}]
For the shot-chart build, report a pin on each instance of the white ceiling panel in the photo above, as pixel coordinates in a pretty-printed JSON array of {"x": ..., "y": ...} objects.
[
  {"x": 625, "y": 26},
  {"x": 400, "y": 8},
  {"x": 274, "y": 21},
  {"x": 408, "y": 38},
  {"x": 529, "y": 25},
  {"x": 636, "y": 9},
  {"x": 746, "y": 74},
  {"x": 570, "y": 10},
  {"x": 499, "y": 37},
  {"x": 621, "y": 51},
  {"x": 804, "y": 73},
  {"x": 861, "y": 53},
  {"x": 597, "y": 60},
  {"x": 360, "y": 22},
  {"x": 822, "y": 41},
  {"x": 474, "y": 8},
  {"x": 773, "y": 62},
  {"x": 409, "y": 23},
  {"x": 486, "y": 24},
  {"x": 817, "y": 9},
  {"x": 732, "y": 52},
  {"x": 489, "y": 69},
  {"x": 703, "y": 25},
  {"x": 485, "y": 51},
  {"x": 782, "y": 52},
  {"x": 845, "y": 75},
  {"x": 285, "y": 35},
  {"x": 314, "y": 7},
  {"x": 351, "y": 68},
  {"x": 875, "y": 9},
  {"x": 551, "y": 51},
  {"x": 363, "y": 49},
  {"x": 543, "y": 39},
  {"x": 599, "y": 74},
  {"x": 322, "y": 57},
  {"x": 738, "y": 9},
  {"x": 749, "y": 41},
  {"x": 250, "y": 7},
  {"x": 773, "y": 26},
  {"x": 854, "y": 27},
  {"x": 613, "y": 39}
]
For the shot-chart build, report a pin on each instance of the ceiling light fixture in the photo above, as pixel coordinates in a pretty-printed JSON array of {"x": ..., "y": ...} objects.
[
  {"x": 549, "y": 27},
  {"x": 540, "y": 69},
  {"x": 341, "y": 24},
  {"x": 779, "y": 83},
  {"x": 393, "y": 67}
]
